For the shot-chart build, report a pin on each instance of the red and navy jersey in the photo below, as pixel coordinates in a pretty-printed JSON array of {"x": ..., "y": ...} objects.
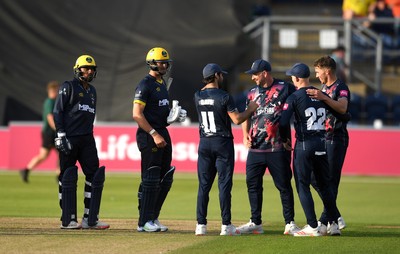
[
  {"x": 75, "y": 108},
  {"x": 310, "y": 115},
  {"x": 213, "y": 105},
  {"x": 264, "y": 128},
  {"x": 336, "y": 128},
  {"x": 154, "y": 95}
]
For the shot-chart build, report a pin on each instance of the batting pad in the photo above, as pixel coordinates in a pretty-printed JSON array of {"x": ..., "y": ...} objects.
[
  {"x": 68, "y": 195},
  {"x": 165, "y": 186},
  {"x": 95, "y": 200},
  {"x": 150, "y": 189}
]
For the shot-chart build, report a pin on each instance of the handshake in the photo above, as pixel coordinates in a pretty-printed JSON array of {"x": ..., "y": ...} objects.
[
  {"x": 177, "y": 113},
  {"x": 62, "y": 143}
]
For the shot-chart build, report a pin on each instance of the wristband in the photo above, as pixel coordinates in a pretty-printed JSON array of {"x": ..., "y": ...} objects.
[{"x": 152, "y": 131}]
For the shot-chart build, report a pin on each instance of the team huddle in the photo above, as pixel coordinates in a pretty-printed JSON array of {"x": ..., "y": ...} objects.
[{"x": 320, "y": 119}]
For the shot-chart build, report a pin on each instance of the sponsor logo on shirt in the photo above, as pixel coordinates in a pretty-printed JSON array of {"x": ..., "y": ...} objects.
[
  {"x": 163, "y": 102},
  {"x": 270, "y": 110},
  {"x": 206, "y": 102},
  {"x": 86, "y": 108}
]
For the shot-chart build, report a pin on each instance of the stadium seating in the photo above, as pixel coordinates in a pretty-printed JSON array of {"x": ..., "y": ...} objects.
[
  {"x": 396, "y": 109},
  {"x": 376, "y": 107},
  {"x": 355, "y": 108}
]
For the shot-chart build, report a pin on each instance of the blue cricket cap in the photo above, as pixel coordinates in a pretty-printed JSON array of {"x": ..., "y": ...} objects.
[
  {"x": 212, "y": 68},
  {"x": 259, "y": 66},
  {"x": 299, "y": 70}
]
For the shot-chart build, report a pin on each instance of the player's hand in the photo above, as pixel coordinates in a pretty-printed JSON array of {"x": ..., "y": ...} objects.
[
  {"x": 252, "y": 106},
  {"x": 288, "y": 145},
  {"x": 62, "y": 143},
  {"x": 159, "y": 140},
  {"x": 315, "y": 94},
  {"x": 247, "y": 141},
  {"x": 182, "y": 115}
]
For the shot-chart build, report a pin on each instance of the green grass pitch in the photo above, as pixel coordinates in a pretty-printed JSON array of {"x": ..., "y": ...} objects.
[{"x": 29, "y": 218}]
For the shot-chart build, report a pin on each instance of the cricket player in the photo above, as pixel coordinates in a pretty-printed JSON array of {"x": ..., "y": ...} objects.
[
  {"x": 216, "y": 109},
  {"x": 152, "y": 112},
  {"x": 335, "y": 94},
  {"x": 261, "y": 136},
  {"x": 74, "y": 114},
  {"x": 309, "y": 152}
]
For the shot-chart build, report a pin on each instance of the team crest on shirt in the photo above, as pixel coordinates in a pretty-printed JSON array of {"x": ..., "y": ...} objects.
[
  {"x": 344, "y": 93},
  {"x": 80, "y": 94},
  {"x": 158, "y": 89},
  {"x": 285, "y": 106}
]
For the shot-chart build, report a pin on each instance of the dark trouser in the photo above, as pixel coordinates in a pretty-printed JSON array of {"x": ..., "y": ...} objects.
[
  {"x": 216, "y": 155},
  {"x": 336, "y": 151},
  {"x": 85, "y": 152},
  {"x": 278, "y": 164},
  {"x": 310, "y": 157},
  {"x": 153, "y": 157}
]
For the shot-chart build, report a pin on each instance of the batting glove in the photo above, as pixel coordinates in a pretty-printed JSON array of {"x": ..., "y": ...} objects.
[
  {"x": 174, "y": 112},
  {"x": 182, "y": 115},
  {"x": 62, "y": 143}
]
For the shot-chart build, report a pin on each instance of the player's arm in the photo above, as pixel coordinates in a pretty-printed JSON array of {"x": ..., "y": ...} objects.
[
  {"x": 61, "y": 103},
  {"x": 238, "y": 118},
  {"x": 48, "y": 111},
  {"x": 50, "y": 120},
  {"x": 340, "y": 106},
  {"x": 284, "y": 124},
  {"x": 138, "y": 116},
  {"x": 245, "y": 129}
]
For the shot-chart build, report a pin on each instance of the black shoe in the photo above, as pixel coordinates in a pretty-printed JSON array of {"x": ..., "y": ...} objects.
[{"x": 24, "y": 175}]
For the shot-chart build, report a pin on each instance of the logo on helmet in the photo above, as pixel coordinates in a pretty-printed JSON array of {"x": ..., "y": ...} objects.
[
  {"x": 164, "y": 53},
  {"x": 89, "y": 59}
]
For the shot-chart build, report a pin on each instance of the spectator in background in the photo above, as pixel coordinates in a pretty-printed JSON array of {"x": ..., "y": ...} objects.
[
  {"x": 356, "y": 8},
  {"x": 341, "y": 67},
  {"x": 386, "y": 30},
  {"x": 395, "y": 6},
  {"x": 261, "y": 8},
  {"x": 48, "y": 132}
]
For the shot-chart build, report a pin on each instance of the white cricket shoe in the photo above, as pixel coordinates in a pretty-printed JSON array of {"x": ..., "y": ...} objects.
[
  {"x": 341, "y": 223},
  {"x": 291, "y": 228},
  {"x": 149, "y": 227},
  {"x": 334, "y": 229},
  {"x": 72, "y": 225},
  {"x": 201, "y": 229},
  {"x": 308, "y": 231},
  {"x": 322, "y": 228},
  {"x": 99, "y": 225},
  {"x": 161, "y": 226},
  {"x": 229, "y": 230},
  {"x": 251, "y": 228}
]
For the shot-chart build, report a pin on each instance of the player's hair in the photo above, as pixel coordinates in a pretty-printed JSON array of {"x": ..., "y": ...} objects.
[
  {"x": 325, "y": 62},
  {"x": 209, "y": 79},
  {"x": 53, "y": 85}
]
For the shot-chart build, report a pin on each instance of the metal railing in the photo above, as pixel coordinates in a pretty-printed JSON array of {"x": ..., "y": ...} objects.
[{"x": 365, "y": 61}]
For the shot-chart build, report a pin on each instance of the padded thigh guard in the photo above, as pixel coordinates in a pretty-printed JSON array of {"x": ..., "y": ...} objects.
[
  {"x": 165, "y": 186},
  {"x": 68, "y": 195},
  {"x": 150, "y": 188},
  {"x": 95, "y": 199}
]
